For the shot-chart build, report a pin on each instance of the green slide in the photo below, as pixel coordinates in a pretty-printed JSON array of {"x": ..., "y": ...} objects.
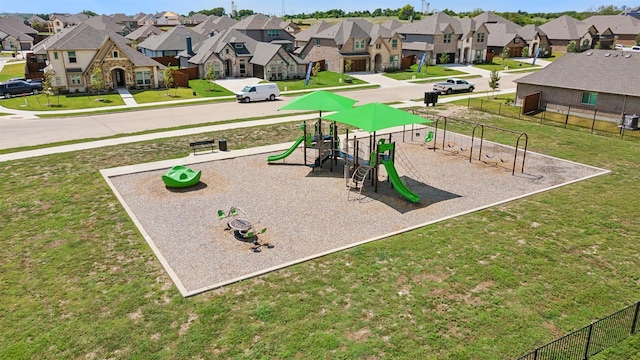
[
  {"x": 286, "y": 153},
  {"x": 397, "y": 183}
]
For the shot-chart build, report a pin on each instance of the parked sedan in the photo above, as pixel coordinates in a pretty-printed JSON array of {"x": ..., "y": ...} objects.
[{"x": 19, "y": 87}]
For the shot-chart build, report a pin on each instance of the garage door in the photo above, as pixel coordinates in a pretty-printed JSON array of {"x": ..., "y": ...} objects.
[{"x": 358, "y": 65}]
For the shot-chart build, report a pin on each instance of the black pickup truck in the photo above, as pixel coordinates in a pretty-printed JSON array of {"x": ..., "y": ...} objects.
[{"x": 19, "y": 87}]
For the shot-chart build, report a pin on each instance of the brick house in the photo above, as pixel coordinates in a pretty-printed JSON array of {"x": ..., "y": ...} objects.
[
  {"x": 563, "y": 30},
  {"x": 354, "y": 43},
  {"x": 572, "y": 81},
  {"x": 267, "y": 29}
]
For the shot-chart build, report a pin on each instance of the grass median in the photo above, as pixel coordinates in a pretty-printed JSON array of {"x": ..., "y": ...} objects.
[{"x": 80, "y": 281}]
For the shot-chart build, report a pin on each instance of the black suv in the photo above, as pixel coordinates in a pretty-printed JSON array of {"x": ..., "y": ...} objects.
[{"x": 19, "y": 87}]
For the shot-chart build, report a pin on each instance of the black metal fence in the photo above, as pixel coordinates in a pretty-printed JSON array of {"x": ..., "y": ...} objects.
[
  {"x": 592, "y": 339},
  {"x": 568, "y": 116}
]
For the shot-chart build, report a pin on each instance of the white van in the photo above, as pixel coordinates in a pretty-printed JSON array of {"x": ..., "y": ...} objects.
[{"x": 257, "y": 92}]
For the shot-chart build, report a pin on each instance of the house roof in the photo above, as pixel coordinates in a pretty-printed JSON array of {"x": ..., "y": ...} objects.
[
  {"x": 499, "y": 35},
  {"x": 69, "y": 18},
  {"x": 529, "y": 32},
  {"x": 174, "y": 39},
  {"x": 344, "y": 30},
  {"x": 215, "y": 24},
  {"x": 120, "y": 18},
  {"x": 17, "y": 24},
  {"x": 144, "y": 32},
  {"x": 604, "y": 71},
  {"x": 565, "y": 28},
  {"x": 7, "y": 27},
  {"x": 618, "y": 24},
  {"x": 259, "y": 22},
  {"x": 104, "y": 22},
  {"x": 311, "y": 31},
  {"x": 434, "y": 24},
  {"x": 488, "y": 17},
  {"x": 216, "y": 43}
]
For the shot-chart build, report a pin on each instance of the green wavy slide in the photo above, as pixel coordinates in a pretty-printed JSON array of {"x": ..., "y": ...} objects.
[
  {"x": 286, "y": 153},
  {"x": 398, "y": 185}
]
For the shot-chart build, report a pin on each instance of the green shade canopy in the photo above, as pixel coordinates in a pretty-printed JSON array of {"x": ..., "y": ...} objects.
[
  {"x": 375, "y": 116},
  {"x": 320, "y": 100}
]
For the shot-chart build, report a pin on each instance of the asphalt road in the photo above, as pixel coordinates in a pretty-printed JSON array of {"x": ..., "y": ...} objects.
[{"x": 18, "y": 131}]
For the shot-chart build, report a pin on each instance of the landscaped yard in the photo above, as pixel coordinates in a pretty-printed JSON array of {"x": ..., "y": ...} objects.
[
  {"x": 323, "y": 79},
  {"x": 11, "y": 70},
  {"x": 61, "y": 102},
  {"x": 498, "y": 65},
  {"x": 79, "y": 281},
  {"x": 202, "y": 89},
  {"x": 426, "y": 72}
]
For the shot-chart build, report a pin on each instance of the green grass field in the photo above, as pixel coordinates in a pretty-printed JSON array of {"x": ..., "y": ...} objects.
[
  {"x": 426, "y": 72},
  {"x": 79, "y": 281},
  {"x": 498, "y": 65},
  {"x": 40, "y": 102},
  {"x": 10, "y": 71}
]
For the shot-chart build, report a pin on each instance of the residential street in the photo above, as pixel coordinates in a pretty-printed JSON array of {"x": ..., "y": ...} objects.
[{"x": 25, "y": 130}]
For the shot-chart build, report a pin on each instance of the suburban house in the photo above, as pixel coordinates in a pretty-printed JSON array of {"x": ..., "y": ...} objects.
[
  {"x": 38, "y": 23},
  {"x": 214, "y": 24},
  {"x": 440, "y": 34},
  {"x": 265, "y": 29},
  {"x": 143, "y": 32},
  {"x": 290, "y": 27},
  {"x": 125, "y": 20},
  {"x": 594, "y": 79},
  {"x": 302, "y": 38},
  {"x": 169, "y": 43},
  {"x": 563, "y": 30},
  {"x": 231, "y": 53},
  {"x": 634, "y": 11},
  {"x": 15, "y": 34},
  {"x": 107, "y": 23},
  {"x": 354, "y": 45},
  {"x": 58, "y": 22},
  {"x": 197, "y": 18},
  {"x": 167, "y": 18},
  {"x": 144, "y": 19},
  {"x": 74, "y": 53},
  {"x": 615, "y": 29}
]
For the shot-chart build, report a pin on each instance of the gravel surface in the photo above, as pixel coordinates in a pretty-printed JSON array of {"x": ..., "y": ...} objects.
[{"x": 306, "y": 212}]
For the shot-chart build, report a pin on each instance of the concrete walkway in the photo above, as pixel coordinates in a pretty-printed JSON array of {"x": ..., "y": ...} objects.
[{"x": 127, "y": 97}]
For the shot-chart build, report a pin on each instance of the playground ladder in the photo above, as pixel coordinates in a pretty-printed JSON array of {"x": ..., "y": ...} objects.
[{"x": 402, "y": 161}]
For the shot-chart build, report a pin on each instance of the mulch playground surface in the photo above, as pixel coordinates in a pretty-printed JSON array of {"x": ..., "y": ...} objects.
[{"x": 305, "y": 211}]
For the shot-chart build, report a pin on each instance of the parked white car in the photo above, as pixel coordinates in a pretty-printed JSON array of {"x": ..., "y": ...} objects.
[
  {"x": 453, "y": 85},
  {"x": 257, "y": 92}
]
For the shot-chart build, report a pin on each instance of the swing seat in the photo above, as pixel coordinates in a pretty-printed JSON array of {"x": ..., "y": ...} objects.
[{"x": 429, "y": 137}]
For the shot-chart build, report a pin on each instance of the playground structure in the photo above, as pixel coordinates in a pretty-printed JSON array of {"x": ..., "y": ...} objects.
[
  {"x": 320, "y": 149},
  {"x": 181, "y": 176}
]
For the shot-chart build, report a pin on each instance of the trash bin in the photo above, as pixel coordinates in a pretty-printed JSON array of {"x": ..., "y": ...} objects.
[
  {"x": 222, "y": 144},
  {"x": 630, "y": 122},
  {"x": 431, "y": 97}
]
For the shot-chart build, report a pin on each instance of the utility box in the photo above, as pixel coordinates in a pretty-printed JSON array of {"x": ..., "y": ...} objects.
[
  {"x": 431, "y": 97},
  {"x": 630, "y": 122}
]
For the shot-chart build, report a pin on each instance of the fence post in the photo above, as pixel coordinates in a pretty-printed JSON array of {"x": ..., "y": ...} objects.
[
  {"x": 593, "y": 123},
  {"x": 481, "y": 102},
  {"x": 468, "y": 102},
  {"x": 635, "y": 319},
  {"x": 499, "y": 108},
  {"x": 566, "y": 118},
  {"x": 586, "y": 349}
]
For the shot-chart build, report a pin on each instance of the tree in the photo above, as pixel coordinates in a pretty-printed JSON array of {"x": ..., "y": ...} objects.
[
  {"x": 97, "y": 81},
  {"x": 168, "y": 78},
  {"x": 210, "y": 76},
  {"x": 444, "y": 59},
  {"x": 597, "y": 46},
  {"x": 525, "y": 52},
  {"x": 347, "y": 66},
  {"x": 638, "y": 39},
  {"x": 89, "y": 13},
  {"x": 406, "y": 12},
  {"x": 243, "y": 13},
  {"x": 504, "y": 55},
  {"x": 46, "y": 85},
  {"x": 494, "y": 80},
  {"x": 315, "y": 69},
  {"x": 572, "y": 47}
]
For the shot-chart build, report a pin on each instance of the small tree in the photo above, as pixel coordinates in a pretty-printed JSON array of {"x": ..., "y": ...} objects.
[
  {"x": 494, "y": 81},
  {"x": 572, "y": 47},
  {"x": 46, "y": 85},
  {"x": 504, "y": 55},
  {"x": 15, "y": 51},
  {"x": 525, "y": 52},
  {"x": 210, "y": 76},
  {"x": 347, "y": 66},
  {"x": 168, "y": 78},
  {"x": 638, "y": 39},
  {"x": 444, "y": 59},
  {"x": 597, "y": 46},
  {"x": 97, "y": 81}
]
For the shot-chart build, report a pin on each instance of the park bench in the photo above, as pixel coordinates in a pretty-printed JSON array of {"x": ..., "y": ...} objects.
[{"x": 205, "y": 144}]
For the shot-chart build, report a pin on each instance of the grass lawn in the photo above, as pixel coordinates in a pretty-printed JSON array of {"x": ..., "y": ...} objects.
[
  {"x": 323, "y": 79},
  {"x": 426, "y": 72},
  {"x": 78, "y": 280},
  {"x": 61, "y": 102},
  {"x": 498, "y": 65},
  {"x": 205, "y": 88},
  {"x": 149, "y": 96},
  {"x": 10, "y": 71}
]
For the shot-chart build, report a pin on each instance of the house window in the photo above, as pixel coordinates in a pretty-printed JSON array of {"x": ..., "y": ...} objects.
[
  {"x": 516, "y": 40},
  {"x": 359, "y": 44},
  {"x": 378, "y": 46},
  {"x": 317, "y": 41},
  {"x": 480, "y": 37},
  {"x": 143, "y": 78},
  {"x": 273, "y": 33},
  {"x": 447, "y": 39},
  {"x": 115, "y": 54},
  {"x": 238, "y": 46},
  {"x": 394, "y": 43},
  {"x": 72, "y": 56},
  {"x": 242, "y": 67},
  {"x": 58, "y": 83},
  {"x": 216, "y": 70},
  {"x": 589, "y": 98},
  {"x": 55, "y": 55},
  {"x": 226, "y": 51},
  {"x": 75, "y": 79}
]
